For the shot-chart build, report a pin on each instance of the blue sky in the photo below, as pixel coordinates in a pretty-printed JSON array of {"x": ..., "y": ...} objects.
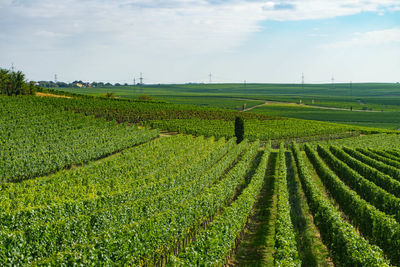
[{"x": 177, "y": 41}]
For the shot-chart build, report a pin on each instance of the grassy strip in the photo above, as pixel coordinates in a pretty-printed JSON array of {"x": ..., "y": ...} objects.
[{"x": 256, "y": 247}]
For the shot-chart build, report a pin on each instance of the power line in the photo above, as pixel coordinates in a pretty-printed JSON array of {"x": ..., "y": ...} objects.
[
  {"x": 210, "y": 76},
  {"x": 141, "y": 79}
]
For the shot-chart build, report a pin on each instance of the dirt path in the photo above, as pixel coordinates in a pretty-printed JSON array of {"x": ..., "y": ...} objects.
[
  {"x": 311, "y": 248},
  {"x": 51, "y": 95},
  {"x": 168, "y": 134},
  {"x": 303, "y": 105},
  {"x": 257, "y": 245},
  {"x": 256, "y": 106}
]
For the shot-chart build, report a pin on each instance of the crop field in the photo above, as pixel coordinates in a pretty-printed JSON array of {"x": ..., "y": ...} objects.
[
  {"x": 37, "y": 137},
  {"x": 212, "y": 133},
  {"x": 375, "y": 97},
  {"x": 375, "y": 141},
  {"x": 208, "y": 121},
  {"x": 91, "y": 181},
  {"x": 275, "y": 129},
  {"x": 376, "y": 119}
]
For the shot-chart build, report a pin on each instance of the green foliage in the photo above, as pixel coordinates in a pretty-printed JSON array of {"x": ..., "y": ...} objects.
[
  {"x": 145, "y": 98},
  {"x": 384, "y": 181},
  {"x": 134, "y": 111},
  {"x": 13, "y": 83},
  {"x": 178, "y": 200},
  {"x": 279, "y": 128},
  {"x": 213, "y": 245},
  {"x": 38, "y": 137},
  {"x": 109, "y": 95},
  {"x": 114, "y": 186},
  {"x": 375, "y": 96},
  {"x": 180, "y": 190},
  {"x": 387, "y": 119},
  {"x": 369, "y": 191},
  {"x": 379, "y": 160},
  {"x": 395, "y": 153},
  {"x": 380, "y": 228},
  {"x": 346, "y": 246},
  {"x": 286, "y": 253},
  {"x": 385, "y": 158},
  {"x": 373, "y": 141},
  {"x": 239, "y": 129}
]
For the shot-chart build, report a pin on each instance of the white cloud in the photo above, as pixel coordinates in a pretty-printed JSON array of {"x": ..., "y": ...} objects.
[
  {"x": 371, "y": 38},
  {"x": 128, "y": 32},
  {"x": 317, "y": 9},
  {"x": 201, "y": 26}
]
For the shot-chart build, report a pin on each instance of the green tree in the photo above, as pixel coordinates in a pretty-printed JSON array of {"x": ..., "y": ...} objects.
[
  {"x": 18, "y": 84},
  {"x": 12, "y": 83},
  {"x": 30, "y": 88},
  {"x": 4, "y": 81},
  {"x": 239, "y": 129}
]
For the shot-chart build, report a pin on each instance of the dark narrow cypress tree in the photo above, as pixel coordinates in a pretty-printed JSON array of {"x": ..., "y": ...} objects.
[{"x": 239, "y": 129}]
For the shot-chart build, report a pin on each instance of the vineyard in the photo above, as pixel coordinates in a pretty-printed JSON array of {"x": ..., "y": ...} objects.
[
  {"x": 276, "y": 129},
  {"x": 381, "y": 100},
  {"x": 37, "y": 138},
  {"x": 83, "y": 184},
  {"x": 207, "y": 121}
]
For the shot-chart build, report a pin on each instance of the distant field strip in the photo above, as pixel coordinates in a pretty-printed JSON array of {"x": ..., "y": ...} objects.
[
  {"x": 373, "y": 141},
  {"x": 258, "y": 129},
  {"x": 387, "y": 119}
]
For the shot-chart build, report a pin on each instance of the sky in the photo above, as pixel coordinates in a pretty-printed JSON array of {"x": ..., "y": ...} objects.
[{"x": 180, "y": 41}]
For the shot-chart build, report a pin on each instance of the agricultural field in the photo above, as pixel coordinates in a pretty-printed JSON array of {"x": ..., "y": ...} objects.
[
  {"x": 269, "y": 129},
  {"x": 91, "y": 181},
  {"x": 101, "y": 164},
  {"x": 207, "y": 121},
  {"x": 375, "y": 96},
  {"x": 38, "y": 137},
  {"x": 371, "y": 118},
  {"x": 375, "y": 141},
  {"x": 366, "y": 97}
]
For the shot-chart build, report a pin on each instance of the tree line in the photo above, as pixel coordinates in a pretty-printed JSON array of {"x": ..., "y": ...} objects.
[{"x": 78, "y": 83}]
